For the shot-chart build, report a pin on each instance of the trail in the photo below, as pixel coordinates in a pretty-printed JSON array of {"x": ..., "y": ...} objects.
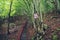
[{"x": 22, "y": 32}]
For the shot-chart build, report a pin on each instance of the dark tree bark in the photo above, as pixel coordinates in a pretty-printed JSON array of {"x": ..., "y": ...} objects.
[{"x": 9, "y": 15}]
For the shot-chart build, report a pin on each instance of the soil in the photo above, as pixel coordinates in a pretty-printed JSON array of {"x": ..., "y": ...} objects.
[{"x": 51, "y": 19}]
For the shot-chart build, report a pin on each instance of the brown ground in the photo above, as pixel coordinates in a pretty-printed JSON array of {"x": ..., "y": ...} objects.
[{"x": 52, "y": 22}]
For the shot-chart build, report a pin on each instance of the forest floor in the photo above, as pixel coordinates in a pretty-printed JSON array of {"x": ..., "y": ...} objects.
[{"x": 52, "y": 20}]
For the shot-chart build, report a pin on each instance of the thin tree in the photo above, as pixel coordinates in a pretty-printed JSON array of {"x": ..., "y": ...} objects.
[{"x": 9, "y": 15}]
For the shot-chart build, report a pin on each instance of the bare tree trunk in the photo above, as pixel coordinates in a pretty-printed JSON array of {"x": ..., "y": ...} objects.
[{"x": 9, "y": 15}]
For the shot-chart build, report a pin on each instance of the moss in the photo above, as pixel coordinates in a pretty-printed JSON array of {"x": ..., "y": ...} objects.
[{"x": 54, "y": 37}]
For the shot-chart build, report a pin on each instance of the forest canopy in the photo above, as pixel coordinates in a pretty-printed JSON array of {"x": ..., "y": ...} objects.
[{"x": 21, "y": 7}]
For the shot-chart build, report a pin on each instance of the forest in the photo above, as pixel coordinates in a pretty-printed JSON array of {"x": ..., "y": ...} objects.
[{"x": 29, "y": 19}]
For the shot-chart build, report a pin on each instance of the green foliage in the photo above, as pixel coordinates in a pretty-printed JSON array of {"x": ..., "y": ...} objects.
[
  {"x": 22, "y": 7},
  {"x": 4, "y": 7},
  {"x": 58, "y": 28},
  {"x": 55, "y": 37}
]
